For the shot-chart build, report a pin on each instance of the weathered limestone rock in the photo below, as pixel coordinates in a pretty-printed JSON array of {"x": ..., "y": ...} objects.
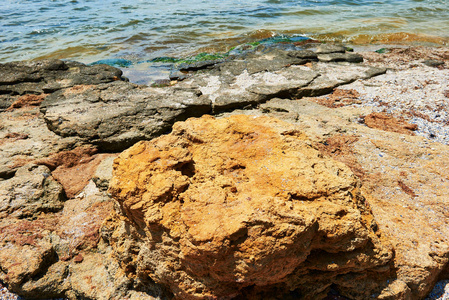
[
  {"x": 66, "y": 251},
  {"x": 64, "y": 254},
  {"x": 246, "y": 206},
  {"x": 406, "y": 179},
  {"x": 348, "y": 57},
  {"x": 46, "y": 76},
  {"x": 228, "y": 88},
  {"x": 103, "y": 173},
  {"x": 24, "y": 138},
  {"x": 384, "y": 122},
  {"x": 31, "y": 191},
  {"x": 330, "y": 48},
  {"x": 114, "y": 116},
  {"x": 74, "y": 168}
]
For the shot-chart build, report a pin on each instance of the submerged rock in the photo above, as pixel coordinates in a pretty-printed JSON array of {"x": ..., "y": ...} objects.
[{"x": 246, "y": 206}]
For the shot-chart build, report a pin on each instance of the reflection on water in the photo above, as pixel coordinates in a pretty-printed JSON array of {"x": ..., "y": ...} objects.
[{"x": 92, "y": 30}]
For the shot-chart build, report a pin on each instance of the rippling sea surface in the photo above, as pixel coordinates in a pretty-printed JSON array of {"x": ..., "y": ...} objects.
[{"x": 92, "y": 30}]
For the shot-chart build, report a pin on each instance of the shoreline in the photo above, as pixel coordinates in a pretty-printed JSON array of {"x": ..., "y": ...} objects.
[{"x": 406, "y": 65}]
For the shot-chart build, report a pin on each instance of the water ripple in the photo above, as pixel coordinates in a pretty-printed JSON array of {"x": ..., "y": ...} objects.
[{"x": 79, "y": 29}]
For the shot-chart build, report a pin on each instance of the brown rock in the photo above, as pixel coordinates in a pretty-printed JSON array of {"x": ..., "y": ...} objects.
[
  {"x": 75, "y": 178},
  {"x": 68, "y": 158},
  {"x": 338, "y": 98},
  {"x": 407, "y": 183},
  {"x": 339, "y": 147},
  {"x": 246, "y": 206},
  {"x": 25, "y": 249},
  {"x": 16, "y": 136},
  {"x": 78, "y": 259},
  {"x": 28, "y": 100},
  {"x": 74, "y": 168},
  {"x": 386, "y": 122}
]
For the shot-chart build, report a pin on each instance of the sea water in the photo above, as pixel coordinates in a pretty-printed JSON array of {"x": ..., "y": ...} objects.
[{"x": 141, "y": 30}]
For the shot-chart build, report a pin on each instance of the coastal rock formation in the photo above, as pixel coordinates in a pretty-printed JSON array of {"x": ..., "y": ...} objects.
[
  {"x": 116, "y": 115},
  {"x": 406, "y": 180},
  {"x": 267, "y": 73},
  {"x": 60, "y": 235},
  {"x": 246, "y": 205},
  {"x": 47, "y": 76},
  {"x": 24, "y": 135}
]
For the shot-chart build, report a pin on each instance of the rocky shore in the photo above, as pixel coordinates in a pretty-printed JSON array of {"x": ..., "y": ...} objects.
[{"x": 279, "y": 173}]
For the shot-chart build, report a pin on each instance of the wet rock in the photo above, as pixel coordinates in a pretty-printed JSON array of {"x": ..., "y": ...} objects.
[
  {"x": 266, "y": 60},
  {"x": 37, "y": 77},
  {"x": 114, "y": 116},
  {"x": 246, "y": 206},
  {"x": 179, "y": 75},
  {"x": 31, "y": 191},
  {"x": 199, "y": 65}
]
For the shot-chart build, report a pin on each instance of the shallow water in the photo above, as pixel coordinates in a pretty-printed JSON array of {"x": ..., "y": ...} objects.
[{"x": 92, "y": 30}]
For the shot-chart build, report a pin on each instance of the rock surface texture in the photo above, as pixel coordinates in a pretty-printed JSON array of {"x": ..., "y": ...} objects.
[
  {"x": 383, "y": 120},
  {"x": 246, "y": 205}
]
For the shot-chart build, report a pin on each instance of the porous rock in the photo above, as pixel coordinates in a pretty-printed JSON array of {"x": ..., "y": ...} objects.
[
  {"x": 62, "y": 255},
  {"x": 115, "y": 115},
  {"x": 32, "y": 190},
  {"x": 246, "y": 206},
  {"x": 406, "y": 179}
]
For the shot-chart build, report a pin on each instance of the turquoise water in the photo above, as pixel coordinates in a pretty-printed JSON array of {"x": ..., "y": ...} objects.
[{"x": 92, "y": 30}]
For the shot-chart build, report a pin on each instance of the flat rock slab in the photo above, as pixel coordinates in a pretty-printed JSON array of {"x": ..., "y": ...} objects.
[
  {"x": 46, "y": 76},
  {"x": 115, "y": 115}
]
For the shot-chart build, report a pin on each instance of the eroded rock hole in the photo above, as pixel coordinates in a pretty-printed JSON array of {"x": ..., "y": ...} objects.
[{"x": 188, "y": 169}]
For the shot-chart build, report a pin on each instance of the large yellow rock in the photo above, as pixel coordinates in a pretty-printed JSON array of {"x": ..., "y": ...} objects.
[{"x": 245, "y": 206}]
